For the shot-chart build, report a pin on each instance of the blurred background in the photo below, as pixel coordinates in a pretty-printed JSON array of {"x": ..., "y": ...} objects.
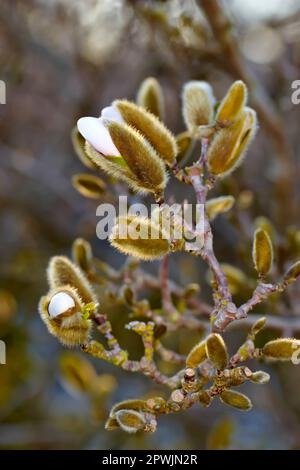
[{"x": 63, "y": 59}]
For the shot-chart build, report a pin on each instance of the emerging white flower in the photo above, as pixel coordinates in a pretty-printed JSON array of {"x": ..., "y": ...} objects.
[
  {"x": 94, "y": 131},
  {"x": 60, "y": 303}
]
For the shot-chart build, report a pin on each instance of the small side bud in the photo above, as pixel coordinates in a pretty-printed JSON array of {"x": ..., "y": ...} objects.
[
  {"x": 196, "y": 355},
  {"x": 236, "y": 399},
  {"x": 258, "y": 326},
  {"x": 262, "y": 252},
  {"x": 197, "y": 104},
  {"x": 260, "y": 377},
  {"x": 292, "y": 273},
  {"x": 216, "y": 351},
  {"x": 130, "y": 421},
  {"x": 232, "y": 104},
  {"x": 150, "y": 97},
  {"x": 90, "y": 186},
  {"x": 219, "y": 205},
  {"x": 281, "y": 349},
  {"x": 204, "y": 398},
  {"x": 131, "y": 404},
  {"x": 132, "y": 235},
  {"x": 82, "y": 254}
]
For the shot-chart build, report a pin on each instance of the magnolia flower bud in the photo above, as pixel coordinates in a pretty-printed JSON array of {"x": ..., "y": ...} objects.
[
  {"x": 90, "y": 186},
  {"x": 94, "y": 131},
  {"x": 216, "y": 351},
  {"x": 219, "y": 205},
  {"x": 233, "y": 103},
  {"x": 154, "y": 131},
  {"x": 281, "y": 349},
  {"x": 82, "y": 254},
  {"x": 61, "y": 271},
  {"x": 196, "y": 355},
  {"x": 150, "y": 97},
  {"x": 198, "y": 104},
  {"x": 236, "y": 399},
  {"x": 61, "y": 311},
  {"x": 229, "y": 145},
  {"x": 262, "y": 252},
  {"x": 60, "y": 304},
  {"x": 134, "y": 236}
]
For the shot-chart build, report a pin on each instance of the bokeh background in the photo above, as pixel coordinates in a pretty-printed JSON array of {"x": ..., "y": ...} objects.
[{"x": 62, "y": 59}]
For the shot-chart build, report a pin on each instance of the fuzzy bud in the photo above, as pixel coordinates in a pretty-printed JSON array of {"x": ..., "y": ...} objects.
[
  {"x": 196, "y": 355},
  {"x": 236, "y": 399},
  {"x": 198, "y": 104},
  {"x": 90, "y": 186},
  {"x": 229, "y": 145},
  {"x": 133, "y": 236},
  {"x": 219, "y": 205},
  {"x": 281, "y": 349},
  {"x": 292, "y": 273},
  {"x": 150, "y": 97},
  {"x": 61, "y": 311},
  {"x": 61, "y": 271},
  {"x": 149, "y": 126},
  {"x": 262, "y": 252},
  {"x": 216, "y": 351},
  {"x": 232, "y": 104}
]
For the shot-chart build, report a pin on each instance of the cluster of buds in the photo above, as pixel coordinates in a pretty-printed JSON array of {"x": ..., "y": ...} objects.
[{"x": 130, "y": 142}]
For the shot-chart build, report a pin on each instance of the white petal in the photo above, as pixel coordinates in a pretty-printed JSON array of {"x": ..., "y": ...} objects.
[
  {"x": 94, "y": 131},
  {"x": 111, "y": 113},
  {"x": 60, "y": 303}
]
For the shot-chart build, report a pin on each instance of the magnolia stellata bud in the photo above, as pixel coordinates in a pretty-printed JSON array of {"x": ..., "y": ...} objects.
[
  {"x": 260, "y": 377},
  {"x": 216, "y": 351},
  {"x": 219, "y": 205},
  {"x": 292, "y": 273},
  {"x": 204, "y": 398},
  {"x": 130, "y": 421},
  {"x": 150, "y": 97},
  {"x": 154, "y": 131},
  {"x": 144, "y": 163},
  {"x": 90, "y": 186},
  {"x": 258, "y": 326},
  {"x": 232, "y": 104},
  {"x": 236, "y": 399},
  {"x": 262, "y": 252},
  {"x": 281, "y": 349},
  {"x": 61, "y": 311},
  {"x": 229, "y": 145},
  {"x": 197, "y": 104},
  {"x": 133, "y": 236},
  {"x": 131, "y": 404},
  {"x": 196, "y": 355},
  {"x": 82, "y": 254},
  {"x": 61, "y": 271}
]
